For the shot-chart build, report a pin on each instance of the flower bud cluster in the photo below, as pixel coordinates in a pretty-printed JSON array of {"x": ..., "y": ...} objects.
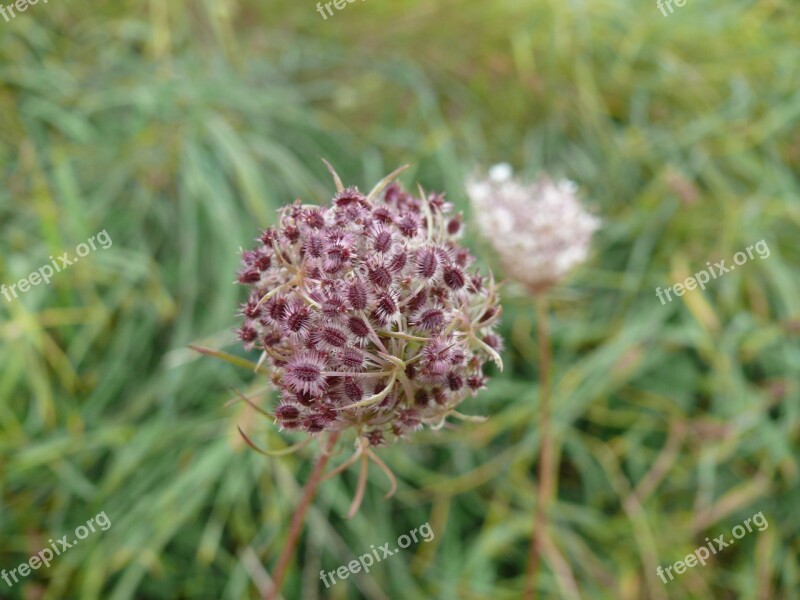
[{"x": 369, "y": 313}]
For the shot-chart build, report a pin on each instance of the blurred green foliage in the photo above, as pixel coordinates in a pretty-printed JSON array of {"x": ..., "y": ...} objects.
[{"x": 179, "y": 127}]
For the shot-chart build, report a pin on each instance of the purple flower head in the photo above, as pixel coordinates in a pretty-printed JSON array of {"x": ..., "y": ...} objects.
[{"x": 368, "y": 313}]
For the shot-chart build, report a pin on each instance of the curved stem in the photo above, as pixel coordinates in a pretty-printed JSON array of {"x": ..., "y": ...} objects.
[
  {"x": 346, "y": 464},
  {"x": 387, "y": 471},
  {"x": 546, "y": 453},
  {"x": 361, "y": 488},
  {"x": 298, "y": 519}
]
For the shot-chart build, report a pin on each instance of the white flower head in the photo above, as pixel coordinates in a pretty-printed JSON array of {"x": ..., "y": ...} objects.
[{"x": 540, "y": 230}]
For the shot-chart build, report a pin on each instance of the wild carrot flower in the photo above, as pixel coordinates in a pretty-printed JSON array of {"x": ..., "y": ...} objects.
[
  {"x": 369, "y": 313},
  {"x": 540, "y": 231}
]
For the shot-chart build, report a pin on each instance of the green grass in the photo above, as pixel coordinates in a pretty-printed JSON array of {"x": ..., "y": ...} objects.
[{"x": 180, "y": 128}]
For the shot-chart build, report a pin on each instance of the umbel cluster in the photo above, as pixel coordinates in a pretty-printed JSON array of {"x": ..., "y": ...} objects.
[{"x": 369, "y": 313}]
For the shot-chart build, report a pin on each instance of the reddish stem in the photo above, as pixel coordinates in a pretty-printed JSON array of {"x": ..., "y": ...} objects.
[
  {"x": 298, "y": 519},
  {"x": 546, "y": 453}
]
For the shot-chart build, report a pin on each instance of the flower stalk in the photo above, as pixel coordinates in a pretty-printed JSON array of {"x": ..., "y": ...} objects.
[
  {"x": 547, "y": 466},
  {"x": 298, "y": 518},
  {"x": 539, "y": 232}
]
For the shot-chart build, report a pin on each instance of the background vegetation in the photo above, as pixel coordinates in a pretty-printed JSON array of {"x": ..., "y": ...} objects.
[{"x": 179, "y": 127}]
